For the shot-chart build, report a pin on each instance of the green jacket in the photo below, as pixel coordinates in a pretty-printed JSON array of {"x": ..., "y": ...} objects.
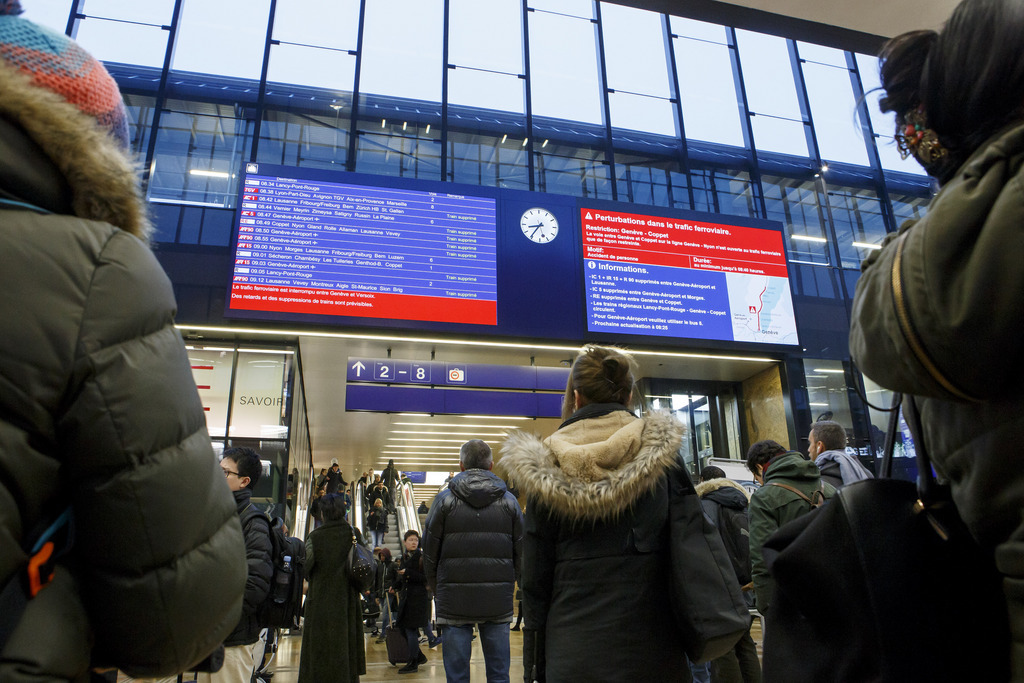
[
  {"x": 947, "y": 329},
  {"x": 99, "y": 412},
  {"x": 772, "y": 506}
]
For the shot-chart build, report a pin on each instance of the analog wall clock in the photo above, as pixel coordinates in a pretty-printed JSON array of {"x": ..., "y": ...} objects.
[{"x": 539, "y": 225}]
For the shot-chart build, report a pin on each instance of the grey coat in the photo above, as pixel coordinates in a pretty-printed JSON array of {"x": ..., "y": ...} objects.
[
  {"x": 99, "y": 411},
  {"x": 951, "y": 336}
]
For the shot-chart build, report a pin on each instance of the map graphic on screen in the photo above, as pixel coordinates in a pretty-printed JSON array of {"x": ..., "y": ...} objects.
[
  {"x": 677, "y": 277},
  {"x": 316, "y": 247}
]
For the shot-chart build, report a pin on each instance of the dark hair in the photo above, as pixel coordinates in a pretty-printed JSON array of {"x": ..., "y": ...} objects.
[
  {"x": 712, "y": 472},
  {"x": 602, "y": 374},
  {"x": 832, "y": 434},
  {"x": 968, "y": 77},
  {"x": 247, "y": 462},
  {"x": 475, "y": 454},
  {"x": 761, "y": 452},
  {"x": 332, "y": 507},
  {"x": 410, "y": 532}
]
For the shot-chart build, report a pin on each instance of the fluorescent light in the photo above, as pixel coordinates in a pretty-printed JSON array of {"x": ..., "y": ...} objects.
[
  {"x": 503, "y": 138},
  {"x": 831, "y": 372},
  {"x": 211, "y": 174},
  {"x": 428, "y": 129},
  {"x": 544, "y": 145},
  {"x": 422, "y": 445},
  {"x": 336, "y": 106},
  {"x": 818, "y": 405},
  {"x": 525, "y": 140},
  {"x": 449, "y": 424},
  {"x": 207, "y": 348},
  {"x": 458, "y": 441},
  {"x": 824, "y": 168},
  {"x": 281, "y": 351},
  {"x": 866, "y": 245},
  {"x": 808, "y": 238},
  {"x": 492, "y": 417},
  {"x": 471, "y": 434},
  {"x": 405, "y": 124},
  {"x": 807, "y": 263},
  {"x": 383, "y": 123}
]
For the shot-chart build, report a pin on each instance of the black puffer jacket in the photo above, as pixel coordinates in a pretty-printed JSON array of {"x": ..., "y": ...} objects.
[
  {"x": 472, "y": 549},
  {"x": 258, "y": 549},
  {"x": 726, "y": 503},
  {"x": 596, "y": 558},
  {"x": 99, "y": 411}
]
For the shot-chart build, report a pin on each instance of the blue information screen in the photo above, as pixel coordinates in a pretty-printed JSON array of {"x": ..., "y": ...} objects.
[{"x": 317, "y": 247}]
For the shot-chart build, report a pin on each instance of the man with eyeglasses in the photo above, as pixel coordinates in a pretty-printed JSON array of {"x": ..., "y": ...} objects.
[{"x": 242, "y": 469}]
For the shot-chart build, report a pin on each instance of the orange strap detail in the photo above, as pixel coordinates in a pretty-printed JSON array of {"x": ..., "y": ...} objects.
[{"x": 37, "y": 582}]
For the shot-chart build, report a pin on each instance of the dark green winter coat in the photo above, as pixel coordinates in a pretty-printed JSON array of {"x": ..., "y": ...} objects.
[
  {"x": 772, "y": 506},
  {"x": 952, "y": 337},
  {"x": 99, "y": 411},
  {"x": 332, "y": 633}
]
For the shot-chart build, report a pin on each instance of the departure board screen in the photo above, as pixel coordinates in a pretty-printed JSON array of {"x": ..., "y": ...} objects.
[
  {"x": 674, "y": 277},
  {"x": 340, "y": 249}
]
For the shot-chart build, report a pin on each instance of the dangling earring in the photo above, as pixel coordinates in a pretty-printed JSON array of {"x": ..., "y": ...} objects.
[{"x": 918, "y": 139}]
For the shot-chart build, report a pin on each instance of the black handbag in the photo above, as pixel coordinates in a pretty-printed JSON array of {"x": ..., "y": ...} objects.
[
  {"x": 361, "y": 567},
  {"x": 885, "y": 583},
  {"x": 705, "y": 595}
]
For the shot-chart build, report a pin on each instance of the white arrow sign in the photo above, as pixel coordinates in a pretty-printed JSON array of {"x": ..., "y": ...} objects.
[{"x": 359, "y": 367}]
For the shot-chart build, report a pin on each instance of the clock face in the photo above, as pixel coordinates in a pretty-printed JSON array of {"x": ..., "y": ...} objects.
[{"x": 539, "y": 225}]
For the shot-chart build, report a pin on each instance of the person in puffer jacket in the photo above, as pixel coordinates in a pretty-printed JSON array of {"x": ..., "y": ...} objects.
[{"x": 99, "y": 414}]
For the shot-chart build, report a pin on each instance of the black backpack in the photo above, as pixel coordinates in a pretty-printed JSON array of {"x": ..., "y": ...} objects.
[{"x": 283, "y": 605}]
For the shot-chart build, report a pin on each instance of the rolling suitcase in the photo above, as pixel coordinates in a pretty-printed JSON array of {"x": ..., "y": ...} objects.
[{"x": 394, "y": 639}]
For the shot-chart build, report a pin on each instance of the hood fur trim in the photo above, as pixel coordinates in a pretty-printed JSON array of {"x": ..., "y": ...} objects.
[
  {"x": 534, "y": 465},
  {"x": 104, "y": 182},
  {"x": 706, "y": 487}
]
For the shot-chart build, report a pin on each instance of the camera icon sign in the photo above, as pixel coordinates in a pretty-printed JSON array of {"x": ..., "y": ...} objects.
[{"x": 456, "y": 375}]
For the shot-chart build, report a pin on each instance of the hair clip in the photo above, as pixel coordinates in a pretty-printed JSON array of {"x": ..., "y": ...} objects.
[{"x": 918, "y": 139}]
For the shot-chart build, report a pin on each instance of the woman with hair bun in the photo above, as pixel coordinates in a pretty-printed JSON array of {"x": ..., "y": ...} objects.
[
  {"x": 595, "y": 558},
  {"x": 937, "y": 310}
]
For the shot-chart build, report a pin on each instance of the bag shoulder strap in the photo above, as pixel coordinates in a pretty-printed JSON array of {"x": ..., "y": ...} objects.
[{"x": 816, "y": 502}]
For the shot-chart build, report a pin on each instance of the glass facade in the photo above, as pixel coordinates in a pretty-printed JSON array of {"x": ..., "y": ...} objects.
[{"x": 575, "y": 97}]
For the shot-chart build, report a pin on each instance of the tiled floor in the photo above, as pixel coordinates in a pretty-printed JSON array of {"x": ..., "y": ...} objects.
[{"x": 286, "y": 668}]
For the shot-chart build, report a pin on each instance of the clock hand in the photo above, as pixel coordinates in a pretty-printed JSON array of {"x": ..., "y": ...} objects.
[{"x": 535, "y": 229}]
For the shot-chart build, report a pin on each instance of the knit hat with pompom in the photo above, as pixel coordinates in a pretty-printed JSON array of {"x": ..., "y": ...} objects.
[{"x": 59, "y": 64}]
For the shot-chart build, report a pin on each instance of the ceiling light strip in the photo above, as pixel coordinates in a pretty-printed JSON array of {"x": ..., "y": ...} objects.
[{"x": 459, "y": 342}]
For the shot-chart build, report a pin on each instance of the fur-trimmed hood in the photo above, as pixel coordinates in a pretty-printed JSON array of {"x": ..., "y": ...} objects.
[
  {"x": 594, "y": 468},
  {"x": 724, "y": 491},
  {"x": 54, "y": 156}
]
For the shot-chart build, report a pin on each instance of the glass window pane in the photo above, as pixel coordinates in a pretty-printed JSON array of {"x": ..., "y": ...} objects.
[
  {"x": 336, "y": 24},
  {"x": 307, "y": 139},
  {"x": 483, "y": 159},
  {"x": 398, "y": 148},
  {"x": 650, "y": 180},
  {"x": 795, "y": 203},
  {"x": 908, "y": 206},
  {"x": 779, "y": 135},
  {"x": 833, "y": 110},
  {"x": 634, "y": 50},
  {"x": 486, "y": 90},
  {"x": 402, "y": 49},
  {"x": 312, "y": 66},
  {"x": 52, "y": 14},
  {"x": 574, "y": 170},
  {"x": 140, "y": 121},
  {"x": 723, "y": 190},
  {"x": 648, "y": 114},
  {"x": 199, "y": 149},
  {"x": 701, "y": 30},
  {"x": 828, "y": 396},
  {"x": 884, "y": 125},
  {"x": 117, "y": 41},
  {"x": 150, "y": 12},
  {"x": 576, "y": 8},
  {"x": 768, "y": 75},
  {"x": 486, "y": 35},
  {"x": 206, "y": 45},
  {"x": 708, "y": 92},
  {"x": 563, "y": 61},
  {"x": 859, "y": 224},
  {"x": 821, "y": 54}
]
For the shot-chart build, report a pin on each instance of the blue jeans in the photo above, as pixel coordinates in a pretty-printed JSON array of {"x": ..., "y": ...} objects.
[
  {"x": 378, "y": 538},
  {"x": 458, "y": 646}
]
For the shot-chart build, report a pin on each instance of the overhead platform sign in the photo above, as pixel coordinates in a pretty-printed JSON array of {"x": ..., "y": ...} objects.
[{"x": 453, "y": 388}]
